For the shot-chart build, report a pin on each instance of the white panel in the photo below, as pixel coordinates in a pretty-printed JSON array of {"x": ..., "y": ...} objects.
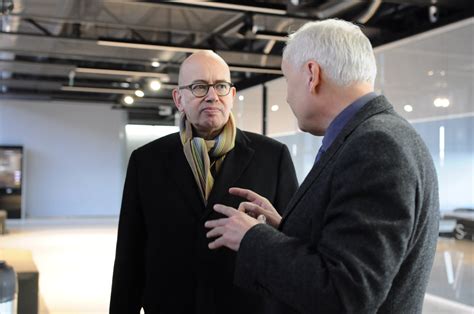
[
  {"x": 74, "y": 156},
  {"x": 248, "y": 109}
]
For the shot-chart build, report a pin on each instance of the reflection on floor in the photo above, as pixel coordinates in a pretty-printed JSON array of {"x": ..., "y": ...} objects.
[{"x": 75, "y": 260}]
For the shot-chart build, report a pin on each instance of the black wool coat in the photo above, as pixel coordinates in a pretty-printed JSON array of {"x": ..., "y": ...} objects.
[{"x": 162, "y": 261}]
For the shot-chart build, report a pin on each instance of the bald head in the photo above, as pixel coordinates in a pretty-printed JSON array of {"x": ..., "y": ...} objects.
[
  {"x": 207, "y": 113},
  {"x": 199, "y": 62}
]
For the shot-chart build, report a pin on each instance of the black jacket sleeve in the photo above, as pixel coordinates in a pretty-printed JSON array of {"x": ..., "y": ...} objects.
[
  {"x": 287, "y": 182},
  {"x": 128, "y": 276}
]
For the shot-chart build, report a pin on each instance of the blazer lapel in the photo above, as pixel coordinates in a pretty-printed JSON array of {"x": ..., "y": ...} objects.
[
  {"x": 180, "y": 172},
  {"x": 373, "y": 107},
  {"x": 233, "y": 167}
]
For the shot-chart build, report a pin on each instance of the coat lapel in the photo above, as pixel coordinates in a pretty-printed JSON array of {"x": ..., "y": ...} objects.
[
  {"x": 233, "y": 167},
  {"x": 180, "y": 173},
  {"x": 373, "y": 107}
]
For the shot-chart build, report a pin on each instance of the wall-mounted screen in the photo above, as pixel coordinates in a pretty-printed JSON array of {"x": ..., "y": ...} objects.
[{"x": 11, "y": 177}]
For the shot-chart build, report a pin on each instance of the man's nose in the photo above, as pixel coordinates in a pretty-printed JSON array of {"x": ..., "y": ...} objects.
[{"x": 211, "y": 94}]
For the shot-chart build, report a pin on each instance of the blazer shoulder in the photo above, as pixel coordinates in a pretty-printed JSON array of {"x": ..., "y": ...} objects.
[
  {"x": 163, "y": 144},
  {"x": 258, "y": 141}
]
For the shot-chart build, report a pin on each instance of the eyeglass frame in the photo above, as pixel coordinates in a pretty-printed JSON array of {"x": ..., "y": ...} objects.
[{"x": 208, "y": 86}]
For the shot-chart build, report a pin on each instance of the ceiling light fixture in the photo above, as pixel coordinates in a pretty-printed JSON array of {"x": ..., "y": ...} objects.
[
  {"x": 155, "y": 85},
  {"x": 147, "y": 46},
  {"x": 408, "y": 108},
  {"x": 139, "y": 93},
  {"x": 155, "y": 64},
  {"x": 441, "y": 102},
  {"x": 275, "y": 108},
  {"x": 241, "y": 97},
  {"x": 128, "y": 100}
]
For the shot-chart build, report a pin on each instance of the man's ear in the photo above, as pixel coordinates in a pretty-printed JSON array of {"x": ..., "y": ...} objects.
[
  {"x": 313, "y": 71},
  {"x": 177, "y": 100}
]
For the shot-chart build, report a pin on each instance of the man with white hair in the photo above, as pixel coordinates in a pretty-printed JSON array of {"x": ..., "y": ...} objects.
[{"x": 359, "y": 235}]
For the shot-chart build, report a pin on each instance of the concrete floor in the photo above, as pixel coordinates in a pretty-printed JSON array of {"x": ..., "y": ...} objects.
[{"x": 75, "y": 261}]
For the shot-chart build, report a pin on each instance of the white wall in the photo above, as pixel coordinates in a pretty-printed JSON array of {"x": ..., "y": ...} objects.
[
  {"x": 139, "y": 135},
  {"x": 73, "y": 156}
]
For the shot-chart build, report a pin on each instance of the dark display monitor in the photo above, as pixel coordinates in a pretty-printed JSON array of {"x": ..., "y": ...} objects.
[{"x": 11, "y": 177}]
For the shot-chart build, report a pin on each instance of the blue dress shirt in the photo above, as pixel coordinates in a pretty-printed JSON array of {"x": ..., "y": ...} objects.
[{"x": 341, "y": 120}]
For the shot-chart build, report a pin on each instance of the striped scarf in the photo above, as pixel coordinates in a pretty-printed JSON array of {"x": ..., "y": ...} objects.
[{"x": 197, "y": 151}]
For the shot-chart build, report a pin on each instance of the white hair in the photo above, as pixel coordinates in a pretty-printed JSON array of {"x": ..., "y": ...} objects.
[{"x": 343, "y": 52}]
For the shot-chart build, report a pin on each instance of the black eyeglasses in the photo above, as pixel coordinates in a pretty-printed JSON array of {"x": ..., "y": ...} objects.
[{"x": 201, "y": 89}]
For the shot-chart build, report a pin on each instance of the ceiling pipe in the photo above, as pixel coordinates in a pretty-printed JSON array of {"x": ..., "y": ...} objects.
[
  {"x": 367, "y": 15},
  {"x": 334, "y": 8}
]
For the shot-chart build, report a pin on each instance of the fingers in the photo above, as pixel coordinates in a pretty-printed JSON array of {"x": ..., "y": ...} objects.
[
  {"x": 225, "y": 210},
  {"x": 219, "y": 242},
  {"x": 247, "y": 194},
  {"x": 217, "y": 231},
  {"x": 215, "y": 223},
  {"x": 250, "y": 208}
]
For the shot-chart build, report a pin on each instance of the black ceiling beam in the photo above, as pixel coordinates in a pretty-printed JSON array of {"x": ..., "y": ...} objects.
[
  {"x": 38, "y": 26},
  {"x": 255, "y": 80},
  {"x": 459, "y": 4},
  {"x": 213, "y": 6},
  {"x": 94, "y": 41}
]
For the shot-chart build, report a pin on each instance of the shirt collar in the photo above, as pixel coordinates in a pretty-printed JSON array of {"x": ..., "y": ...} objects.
[{"x": 343, "y": 117}]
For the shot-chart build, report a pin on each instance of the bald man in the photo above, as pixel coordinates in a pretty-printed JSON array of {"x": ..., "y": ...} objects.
[{"x": 163, "y": 262}]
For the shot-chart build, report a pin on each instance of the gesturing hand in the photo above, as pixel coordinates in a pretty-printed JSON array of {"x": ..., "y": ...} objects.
[
  {"x": 229, "y": 231},
  {"x": 257, "y": 205}
]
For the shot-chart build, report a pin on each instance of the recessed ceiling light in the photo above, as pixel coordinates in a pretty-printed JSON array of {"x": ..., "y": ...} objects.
[
  {"x": 155, "y": 85},
  {"x": 430, "y": 73},
  {"x": 275, "y": 107},
  {"x": 128, "y": 100},
  {"x": 139, "y": 93},
  {"x": 124, "y": 84},
  {"x": 408, "y": 108},
  {"x": 155, "y": 64},
  {"x": 441, "y": 102},
  {"x": 241, "y": 97}
]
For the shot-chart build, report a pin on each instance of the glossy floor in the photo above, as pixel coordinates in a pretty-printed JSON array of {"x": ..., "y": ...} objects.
[{"x": 75, "y": 261}]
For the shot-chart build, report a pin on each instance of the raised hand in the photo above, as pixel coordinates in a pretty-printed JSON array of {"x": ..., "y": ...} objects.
[
  {"x": 257, "y": 206},
  {"x": 229, "y": 231}
]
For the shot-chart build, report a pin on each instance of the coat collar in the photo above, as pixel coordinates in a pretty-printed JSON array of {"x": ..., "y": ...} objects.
[
  {"x": 373, "y": 107},
  {"x": 235, "y": 163}
]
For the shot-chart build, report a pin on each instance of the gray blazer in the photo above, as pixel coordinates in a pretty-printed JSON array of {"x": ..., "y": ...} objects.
[{"x": 359, "y": 236}]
